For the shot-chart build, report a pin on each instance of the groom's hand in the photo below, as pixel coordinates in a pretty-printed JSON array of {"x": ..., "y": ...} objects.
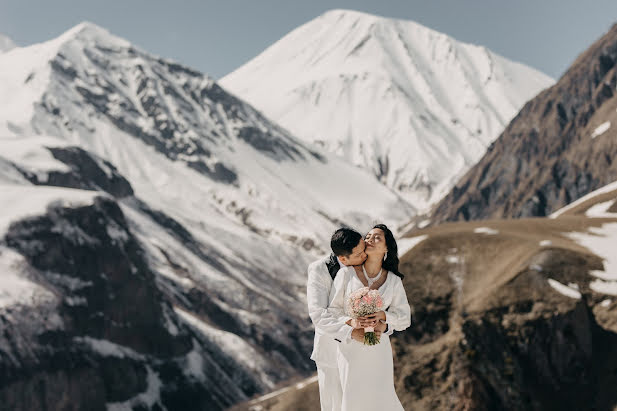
[
  {"x": 358, "y": 334},
  {"x": 380, "y": 315},
  {"x": 368, "y": 321},
  {"x": 355, "y": 323}
]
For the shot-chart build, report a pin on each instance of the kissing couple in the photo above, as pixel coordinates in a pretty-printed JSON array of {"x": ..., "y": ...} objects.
[{"x": 353, "y": 376}]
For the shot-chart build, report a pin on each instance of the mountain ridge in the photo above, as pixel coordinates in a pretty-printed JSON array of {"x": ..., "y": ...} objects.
[{"x": 412, "y": 105}]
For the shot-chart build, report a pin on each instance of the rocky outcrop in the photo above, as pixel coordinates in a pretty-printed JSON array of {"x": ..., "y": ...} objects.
[
  {"x": 109, "y": 335},
  {"x": 553, "y": 152},
  {"x": 86, "y": 172}
]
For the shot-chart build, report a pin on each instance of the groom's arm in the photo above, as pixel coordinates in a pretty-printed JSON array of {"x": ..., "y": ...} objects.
[{"x": 317, "y": 292}]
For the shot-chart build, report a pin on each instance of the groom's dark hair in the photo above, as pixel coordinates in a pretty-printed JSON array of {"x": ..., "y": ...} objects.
[{"x": 344, "y": 240}]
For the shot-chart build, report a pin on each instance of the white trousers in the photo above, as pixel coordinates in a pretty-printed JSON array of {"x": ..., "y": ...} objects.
[{"x": 330, "y": 392}]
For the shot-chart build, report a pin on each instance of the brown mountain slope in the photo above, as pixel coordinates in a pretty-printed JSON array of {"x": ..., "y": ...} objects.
[
  {"x": 493, "y": 327},
  {"x": 547, "y": 157}
]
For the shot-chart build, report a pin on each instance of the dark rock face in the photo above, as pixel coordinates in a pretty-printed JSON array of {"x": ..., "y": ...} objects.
[
  {"x": 546, "y": 157},
  {"x": 556, "y": 363},
  {"x": 88, "y": 172},
  {"x": 118, "y": 334},
  {"x": 103, "y": 255},
  {"x": 262, "y": 142}
]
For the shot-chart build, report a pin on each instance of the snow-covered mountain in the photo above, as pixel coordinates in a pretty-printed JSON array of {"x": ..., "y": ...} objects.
[
  {"x": 6, "y": 43},
  {"x": 412, "y": 105},
  {"x": 227, "y": 209}
]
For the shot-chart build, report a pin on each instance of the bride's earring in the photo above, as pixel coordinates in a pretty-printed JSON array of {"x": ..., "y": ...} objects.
[{"x": 385, "y": 256}]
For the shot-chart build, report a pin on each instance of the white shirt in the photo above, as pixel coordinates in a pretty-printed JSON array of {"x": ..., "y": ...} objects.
[{"x": 330, "y": 330}]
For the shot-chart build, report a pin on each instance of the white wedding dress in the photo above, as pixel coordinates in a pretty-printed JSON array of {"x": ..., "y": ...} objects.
[{"x": 367, "y": 374}]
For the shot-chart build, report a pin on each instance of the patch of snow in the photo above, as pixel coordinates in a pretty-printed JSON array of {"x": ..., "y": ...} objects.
[
  {"x": 230, "y": 344},
  {"x": 169, "y": 322},
  {"x": 601, "y": 129},
  {"x": 602, "y": 242},
  {"x": 600, "y": 210},
  {"x": 306, "y": 382},
  {"x": 15, "y": 287},
  {"x": 269, "y": 395},
  {"x": 116, "y": 233},
  {"x": 31, "y": 154},
  {"x": 486, "y": 230},
  {"x": 606, "y": 303},
  {"x": 69, "y": 230},
  {"x": 107, "y": 348},
  {"x": 606, "y": 189},
  {"x": 67, "y": 281},
  {"x": 604, "y": 287},
  {"x": 545, "y": 243},
  {"x": 406, "y": 244},
  {"x": 73, "y": 301},
  {"x": 564, "y": 289},
  {"x": 452, "y": 259},
  {"x": 9, "y": 173},
  {"x": 146, "y": 399},
  {"x": 424, "y": 223},
  {"x": 195, "y": 364}
]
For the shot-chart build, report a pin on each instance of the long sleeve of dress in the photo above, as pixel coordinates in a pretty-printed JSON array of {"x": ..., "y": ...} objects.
[
  {"x": 398, "y": 315},
  {"x": 318, "y": 297}
]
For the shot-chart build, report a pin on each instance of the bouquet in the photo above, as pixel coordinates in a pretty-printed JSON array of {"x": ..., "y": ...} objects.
[{"x": 365, "y": 302}]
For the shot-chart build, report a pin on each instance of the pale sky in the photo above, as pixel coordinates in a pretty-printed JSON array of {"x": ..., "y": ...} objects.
[{"x": 216, "y": 37}]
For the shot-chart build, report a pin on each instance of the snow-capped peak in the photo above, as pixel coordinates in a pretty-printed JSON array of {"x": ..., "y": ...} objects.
[
  {"x": 6, "y": 43},
  {"x": 414, "y": 106},
  {"x": 90, "y": 32}
]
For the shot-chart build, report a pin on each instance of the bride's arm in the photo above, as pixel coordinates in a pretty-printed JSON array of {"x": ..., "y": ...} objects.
[{"x": 398, "y": 315}]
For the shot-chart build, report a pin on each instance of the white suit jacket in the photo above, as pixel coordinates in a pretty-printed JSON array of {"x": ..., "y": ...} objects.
[{"x": 329, "y": 329}]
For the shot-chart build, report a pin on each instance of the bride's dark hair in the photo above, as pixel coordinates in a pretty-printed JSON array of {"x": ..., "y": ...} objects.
[{"x": 391, "y": 261}]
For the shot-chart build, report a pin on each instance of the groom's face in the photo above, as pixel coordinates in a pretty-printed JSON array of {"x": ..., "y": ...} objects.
[{"x": 357, "y": 255}]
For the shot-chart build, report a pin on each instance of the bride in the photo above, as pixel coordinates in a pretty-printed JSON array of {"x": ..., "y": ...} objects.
[{"x": 367, "y": 376}]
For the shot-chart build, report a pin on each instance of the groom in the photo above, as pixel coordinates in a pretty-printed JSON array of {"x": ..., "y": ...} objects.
[{"x": 347, "y": 249}]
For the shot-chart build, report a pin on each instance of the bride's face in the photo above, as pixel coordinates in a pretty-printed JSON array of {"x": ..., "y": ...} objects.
[{"x": 376, "y": 242}]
